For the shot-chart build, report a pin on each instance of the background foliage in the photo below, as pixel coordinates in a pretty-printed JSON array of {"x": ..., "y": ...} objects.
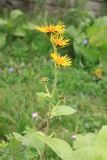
[{"x": 24, "y": 60}]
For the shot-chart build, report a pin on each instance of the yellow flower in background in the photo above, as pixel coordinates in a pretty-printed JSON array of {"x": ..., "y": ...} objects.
[
  {"x": 98, "y": 73},
  {"x": 59, "y": 41},
  {"x": 64, "y": 61},
  {"x": 59, "y": 28}
]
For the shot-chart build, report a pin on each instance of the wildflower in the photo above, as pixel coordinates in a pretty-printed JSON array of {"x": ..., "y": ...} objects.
[
  {"x": 59, "y": 28},
  {"x": 64, "y": 61},
  {"x": 34, "y": 114},
  {"x": 11, "y": 69},
  {"x": 74, "y": 137},
  {"x": 59, "y": 41},
  {"x": 85, "y": 42},
  {"x": 98, "y": 73}
]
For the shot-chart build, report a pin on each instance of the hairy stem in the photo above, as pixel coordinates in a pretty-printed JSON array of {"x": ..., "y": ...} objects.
[
  {"x": 50, "y": 102},
  {"x": 55, "y": 82}
]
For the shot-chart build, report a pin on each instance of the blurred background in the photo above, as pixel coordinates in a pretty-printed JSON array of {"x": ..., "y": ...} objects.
[
  {"x": 97, "y": 7},
  {"x": 24, "y": 60},
  {"x": 23, "y": 50}
]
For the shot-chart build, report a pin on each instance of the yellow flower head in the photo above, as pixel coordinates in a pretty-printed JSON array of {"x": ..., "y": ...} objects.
[
  {"x": 59, "y": 28},
  {"x": 98, "y": 73},
  {"x": 59, "y": 41},
  {"x": 64, "y": 61}
]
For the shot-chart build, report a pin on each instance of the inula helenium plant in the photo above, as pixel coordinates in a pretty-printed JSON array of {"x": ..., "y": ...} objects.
[{"x": 56, "y": 107}]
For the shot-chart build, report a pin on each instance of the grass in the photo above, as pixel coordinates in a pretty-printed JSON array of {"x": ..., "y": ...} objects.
[
  {"x": 23, "y": 62},
  {"x": 18, "y": 98}
]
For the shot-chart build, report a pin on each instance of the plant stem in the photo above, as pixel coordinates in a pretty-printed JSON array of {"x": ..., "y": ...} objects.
[
  {"x": 55, "y": 82},
  {"x": 48, "y": 116},
  {"x": 47, "y": 127},
  {"x": 50, "y": 103},
  {"x": 55, "y": 70},
  {"x": 46, "y": 132},
  {"x": 47, "y": 90}
]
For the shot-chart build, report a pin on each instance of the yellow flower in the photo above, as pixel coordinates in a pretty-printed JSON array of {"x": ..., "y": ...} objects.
[
  {"x": 59, "y": 40},
  {"x": 59, "y": 28},
  {"x": 98, "y": 73},
  {"x": 64, "y": 61}
]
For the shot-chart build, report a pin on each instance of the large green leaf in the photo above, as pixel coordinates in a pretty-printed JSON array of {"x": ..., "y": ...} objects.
[
  {"x": 38, "y": 139},
  {"x": 101, "y": 144},
  {"x": 82, "y": 141},
  {"x": 31, "y": 140},
  {"x": 90, "y": 54},
  {"x": 97, "y": 33},
  {"x": 99, "y": 38},
  {"x": 35, "y": 141},
  {"x": 62, "y": 110},
  {"x": 61, "y": 148},
  {"x": 86, "y": 153},
  {"x": 98, "y": 24}
]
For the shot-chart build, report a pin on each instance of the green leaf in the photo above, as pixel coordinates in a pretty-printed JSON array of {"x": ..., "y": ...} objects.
[
  {"x": 97, "y": 32},
  {"x": 86, "y": 153},
  {"x": 31, "y": 140},
  {"x": 29, "y": 26},
  {"x": 87, "y": 140},
  {"x": 36, "y": 139},
  {"x": 3, "y": 22},
  {"x": 42, "y": 94},
  {"x": 61, "y": 148},
  {"x": 90, "y": 54},
  {"x": 99, "y": 38},
  {"x": 71, "y": 30},
  {"x": 62, "y": 110},
  {"x": 101, "y": 144},
  {"x": 15, "y": 14},
  {"x": 19, "y": 32}
]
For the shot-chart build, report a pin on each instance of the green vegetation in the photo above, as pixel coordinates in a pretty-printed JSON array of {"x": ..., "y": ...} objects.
[{"x": 24, "y": 61}]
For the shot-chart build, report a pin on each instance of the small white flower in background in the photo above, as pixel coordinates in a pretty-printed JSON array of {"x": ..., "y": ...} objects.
[
  {"x": 74, "y": 137},
  {"x": 11, "y": 69},
  {"x": 85, "y": 41},
  {"x": 34, "y": 114}
]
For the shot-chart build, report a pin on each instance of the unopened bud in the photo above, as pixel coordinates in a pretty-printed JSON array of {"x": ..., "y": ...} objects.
[{"x": 44, "y": 80}]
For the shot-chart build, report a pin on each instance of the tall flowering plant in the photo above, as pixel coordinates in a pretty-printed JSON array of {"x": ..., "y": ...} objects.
[{"x": 40, "y": 140}]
